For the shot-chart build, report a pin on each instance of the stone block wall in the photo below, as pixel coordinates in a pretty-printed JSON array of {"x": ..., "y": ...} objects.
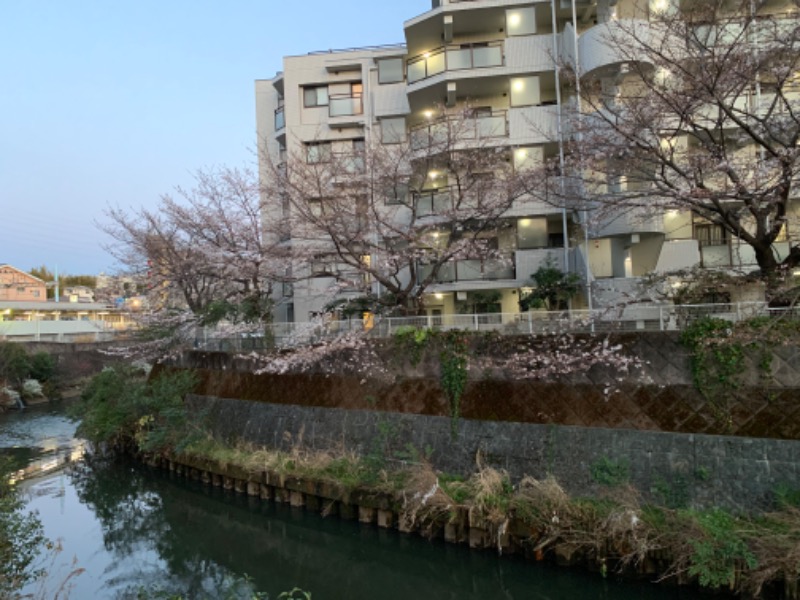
[{"x": 679, "y": 469}]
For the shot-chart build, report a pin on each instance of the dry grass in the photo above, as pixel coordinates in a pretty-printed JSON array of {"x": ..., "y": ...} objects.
[{"x": 422, "y": 499}]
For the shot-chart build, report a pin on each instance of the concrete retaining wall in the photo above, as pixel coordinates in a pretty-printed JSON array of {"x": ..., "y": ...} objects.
[{"x": 674, "y": 468}]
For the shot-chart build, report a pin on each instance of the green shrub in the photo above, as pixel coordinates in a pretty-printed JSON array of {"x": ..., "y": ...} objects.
[
  {"x": 722, "y": 552},
  {"x": 42, "y": 367},
  {"x": 122, "y": 408},
  {"x": 609, "y": 472},
  {"x": 15, "y": 364}
]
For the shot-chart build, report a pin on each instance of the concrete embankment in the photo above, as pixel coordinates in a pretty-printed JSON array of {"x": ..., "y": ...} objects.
[{"x": 662, "y": 434}]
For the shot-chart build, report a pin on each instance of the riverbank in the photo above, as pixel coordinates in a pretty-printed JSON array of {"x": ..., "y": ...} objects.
[
  {"x": 612, "y": 534},
  {"x": 612, "y": 528}
]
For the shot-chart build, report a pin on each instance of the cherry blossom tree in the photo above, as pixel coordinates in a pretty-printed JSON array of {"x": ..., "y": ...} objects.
[
  {"x": 700, "y": 114},
  {"x": 202, "y": 249},
  {"x": 386, "y": 221}
]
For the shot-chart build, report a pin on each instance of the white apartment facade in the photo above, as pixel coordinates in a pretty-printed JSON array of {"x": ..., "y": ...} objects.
[{"x": 493, "y": 59}]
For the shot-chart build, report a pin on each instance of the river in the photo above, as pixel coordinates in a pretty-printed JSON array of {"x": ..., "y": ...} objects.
[{"x": 141, "y": 533}]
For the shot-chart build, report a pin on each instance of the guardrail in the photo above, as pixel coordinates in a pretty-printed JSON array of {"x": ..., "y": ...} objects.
[{"x": 666, "y": 317}]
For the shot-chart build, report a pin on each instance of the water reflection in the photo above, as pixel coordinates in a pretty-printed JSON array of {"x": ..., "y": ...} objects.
[
  {"x": 204, "y": 538},
  {"x": 38, "y": 441}
]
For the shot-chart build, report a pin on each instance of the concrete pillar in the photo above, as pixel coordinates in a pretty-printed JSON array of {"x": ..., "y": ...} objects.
[
  {"x": 297, "y": 498},
  {"x": 385, "y": 519},
  {"x": 366, "y": 514}
]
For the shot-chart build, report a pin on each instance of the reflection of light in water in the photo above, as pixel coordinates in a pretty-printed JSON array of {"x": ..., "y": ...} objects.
[{"x": 63, "y": 456}]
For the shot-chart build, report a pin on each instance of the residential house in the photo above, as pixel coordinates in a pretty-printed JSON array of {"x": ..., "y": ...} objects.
[{"x": 19, "y": 286}]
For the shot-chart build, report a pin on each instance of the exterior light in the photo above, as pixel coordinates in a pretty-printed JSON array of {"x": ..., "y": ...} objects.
[
  {"x": 433, "y": 174},
  {"x": 518, "y": 85},
  {"x": 663, "y": 75},
  {"x": 524, "y": 222},
  {"x": 514, "y": 19},
  {"x": 438, "y": 296},
  {"x": 659, "y": 6},
  {"x": 428, "y": 114}
]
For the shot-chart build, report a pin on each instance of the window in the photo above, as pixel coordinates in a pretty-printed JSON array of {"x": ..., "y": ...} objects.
[
  {"x": 397, "y": 193},
  {"x": 393, "y": 130},
  {"x": 521, "y": 21},
  {"x": 525, "y": 91},
  {"x": 362, "y": 211},
  {"x": 353, "y": 160},
  {"x": 318, "y": 152},
  {"x": 532, "y": 233},
  {"x": 390, "y": 70},
  {"x": 366, "y": 262},
  {"x": 709, "y": 234},
  {"x": 315, "y": 96}
]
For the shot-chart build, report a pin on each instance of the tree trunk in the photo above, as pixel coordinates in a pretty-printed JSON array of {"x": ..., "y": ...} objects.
[{"x": 765, "y": 258}]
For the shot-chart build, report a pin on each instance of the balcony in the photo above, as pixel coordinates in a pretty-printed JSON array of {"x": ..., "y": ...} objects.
[
  {"x": 598, "y": 47},
  {"x": 350, "y": 163},
  {"x": 433, "y": 202},
  {"x": 471, "y": 270},
  {"x": 454, "y": 129},
  {"x": 447, "y": 200},
  {"x": 345, "y": 105},
  {"x": 454, "y": 58}
]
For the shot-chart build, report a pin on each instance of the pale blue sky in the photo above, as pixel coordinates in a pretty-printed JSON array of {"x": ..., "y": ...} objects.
[{"x": 118, "y": 101}]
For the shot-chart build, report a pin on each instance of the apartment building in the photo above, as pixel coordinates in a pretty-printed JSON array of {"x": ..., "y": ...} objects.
[{"x": 493, "y": 70}]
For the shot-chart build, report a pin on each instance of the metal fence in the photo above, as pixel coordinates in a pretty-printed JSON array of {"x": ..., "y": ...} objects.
[{"x": 666, "y": 317}]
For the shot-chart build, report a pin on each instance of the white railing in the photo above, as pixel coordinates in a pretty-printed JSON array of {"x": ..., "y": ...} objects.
[
  {"x": 68, "y": 331},
  {"x": 664, "y": 317}
]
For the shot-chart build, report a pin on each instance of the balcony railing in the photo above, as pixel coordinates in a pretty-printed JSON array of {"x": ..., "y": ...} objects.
[
  {"x": 446, "y": 199},
  {"x": 433, "y": 202},
  {"x": 471, "y": 270},
  {"x": 345, "y": 105},
  {"x": 351, "y": 163},
  {"x": 454, "y": 58},
  {"x": 280, "y": 119},
  {"x": 455, "y": 128}
]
